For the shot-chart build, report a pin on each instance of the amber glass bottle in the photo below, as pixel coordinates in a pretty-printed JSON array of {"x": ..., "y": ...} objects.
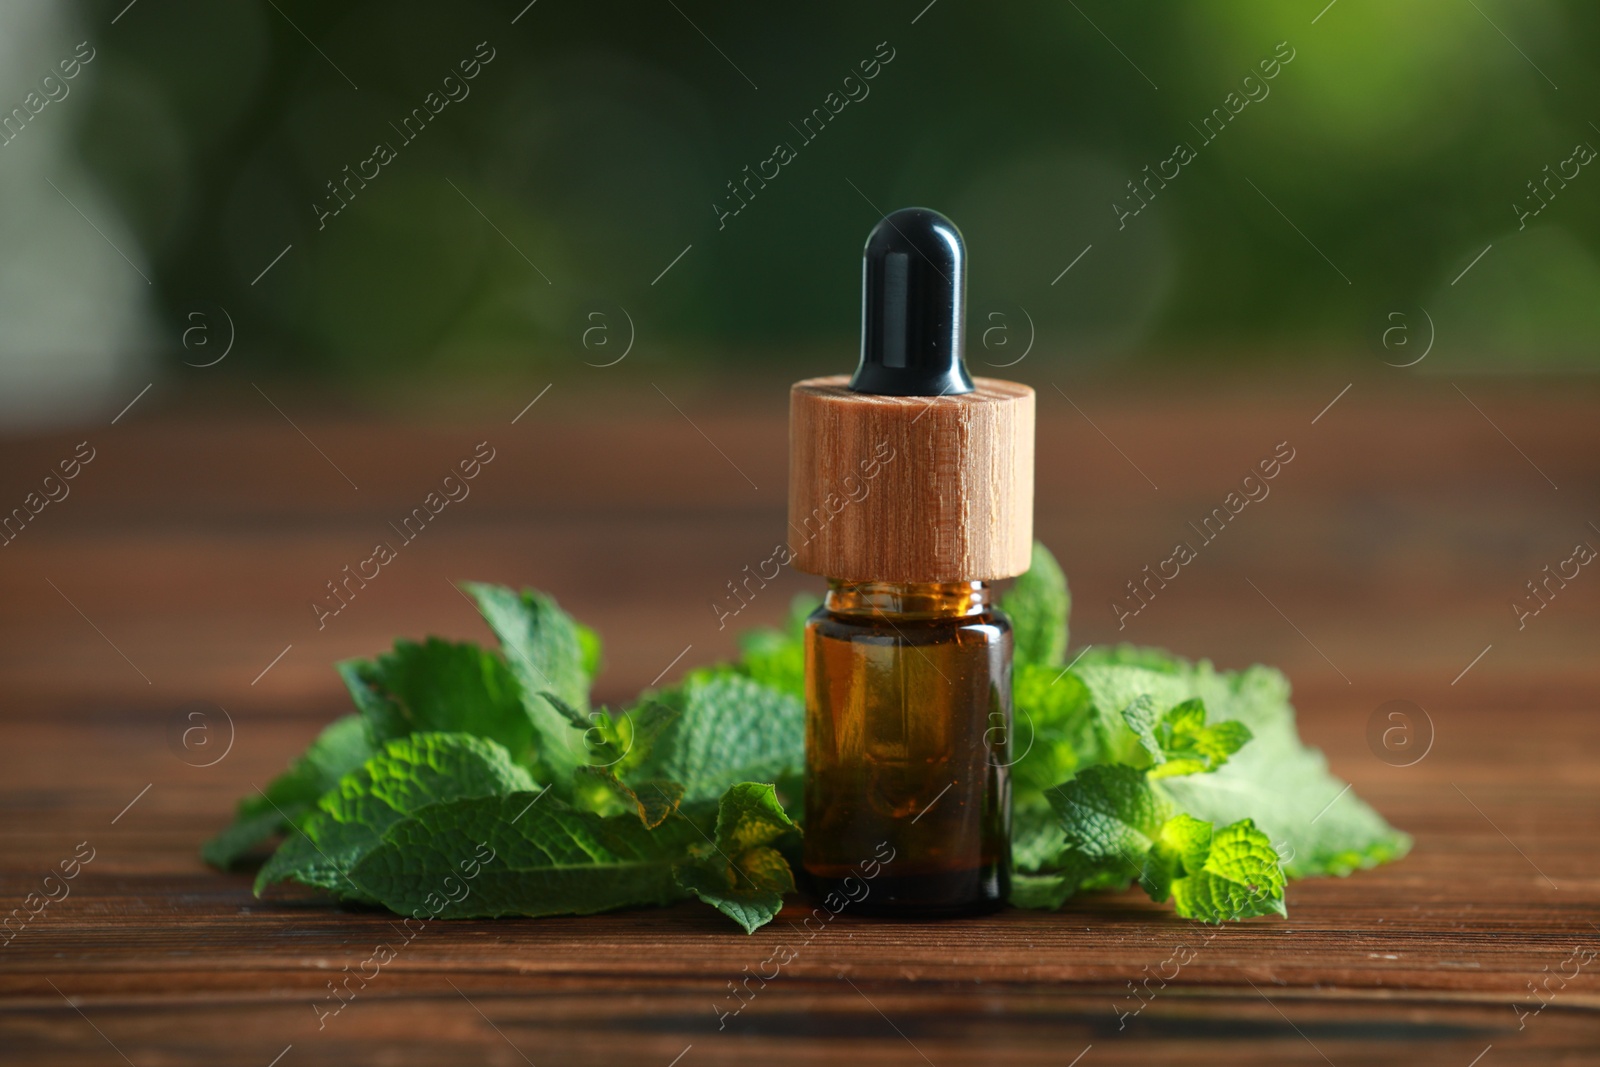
[
  {"x": 910, "y": 489},
  {"x": 908, "y": 695}
]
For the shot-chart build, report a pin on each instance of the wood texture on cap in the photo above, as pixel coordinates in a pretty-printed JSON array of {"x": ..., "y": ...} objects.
[{"x": 950, "y": 497}]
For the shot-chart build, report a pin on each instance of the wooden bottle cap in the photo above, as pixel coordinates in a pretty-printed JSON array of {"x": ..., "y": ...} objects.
[{"x": 911, "y": 488}]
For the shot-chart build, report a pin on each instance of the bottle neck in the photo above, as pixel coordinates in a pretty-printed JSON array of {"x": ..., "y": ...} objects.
[{"x": 915, "y": 600}]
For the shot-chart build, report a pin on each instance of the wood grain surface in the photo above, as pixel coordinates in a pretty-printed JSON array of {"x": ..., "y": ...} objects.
[{"x": 179, "y": 576}]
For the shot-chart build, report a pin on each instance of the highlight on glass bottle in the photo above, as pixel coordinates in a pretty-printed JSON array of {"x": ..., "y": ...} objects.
[
  {"x": 908, "y": 697},
  {"x": 908, "y": 661}
]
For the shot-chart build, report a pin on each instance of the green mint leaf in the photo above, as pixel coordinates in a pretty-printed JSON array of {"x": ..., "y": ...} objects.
[
  {"x": 1036, "y": 837},
  {"x": 1189, "y": 746},
  {"x": 543, "y": 646},
  {"x": 1224, "y": 875},
  {"x": 589, "y": 651},
  {"x": 547, "y": 652},
  {"x": 1070, "y": 872},
  {"x": 749, "y": 816},
  {"x": 1045, "y": 891},
  {"x": 239, "y": 839},
  {"x": 1275, "y": 778},
  {"x": 1053, "y": 731},
  {"x": 575, "y": 718},
  {"x": 1115, "y": 824},
  {"x": 654, "y": 801},
  {"x": 407, "y": 775},
  {"x": 1316, "y": 823},
  {"x": 744, "y": 876},
  {"x": 1110, "y": 812},
  {"x": 1182, "y": 840},
  {"x": 643, "y": 726},
  {"x": 1217, "y": 743},
  {"x": 776, "y": 658},
  {"x": 1150, "y": 659},
  {"x": 728, "y": 728},
  {"x": 341, "y": 747},
  {"x": 616, "y": 744},
  {"x": 657, "y": 801},
  {"x": 1113, "y": 687},
  {"x": 1052, "y": 735},
  {"x": 1142, "y": 718},
  {"x": 1179, "y": 741},
  {"x": 724, "y": 887},
  {"x": 522, "y": 854},
  {"x": 445, "y": 686},
  {"x": 1038, "y": 605}
]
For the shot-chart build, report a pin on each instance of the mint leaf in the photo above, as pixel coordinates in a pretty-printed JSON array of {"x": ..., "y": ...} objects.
[
  {"x": 1036, "y": 837},
  {"x": 518, "y": 854},
  {"x": 249, "y": 828},
  {"x": 440, "y": 685},
  {"x": 1180, "y": 741},
  {"x": 616, "y": 746},
  {"x": 1281, "y": 783},
  {"x": 343, "y": 745},
  {"x": 1125, "y": 655},
  {"x": 1222, "y": 875},
  {"x": 1052, "y": 735},
  {"x": 408, "y": 774},
  {"x": 1142, "y": 717},
  {"x": 1189, "y": 746},
  {"x": 589, "y": 652},
  {"x": 1115, "y": 822},
  {"x": 1275, "y": 779},
  {"x": 641, "y": 728},
  {"x": 1110, "y": 812},
  {"x": 1114, "y": 687},
  {"x": 1037, "y": 606},
  {"x": 339, "y": 748},
  {"x": 749, "y": 816},
  {"x": 777, "y": 657},
  {"x": 655, "y": 800},
  {"x": 728, "y": 728},
  {"x": 744, "y": 876},
  {"x": 1043, "y": 891},
  {"x": 1071, "y": 872},
  {"x": 603, "y": 739},
  {"x": 1053, "y": 732},
  {"x": 1183, "y": 844},
  {"x": 751, "y": 906},
  {"x": 543, "y": 646},
  {"x": 547, "y": 652}
]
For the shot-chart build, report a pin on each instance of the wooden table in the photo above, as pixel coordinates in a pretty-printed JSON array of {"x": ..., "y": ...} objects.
[{"x": 177, "y": 577}]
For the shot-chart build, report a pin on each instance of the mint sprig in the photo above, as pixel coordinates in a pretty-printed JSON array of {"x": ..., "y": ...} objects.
[
  {"x": 743, "y": 874},
  {"x": 1179, "y": 740},
  {"x": 539, "y": 856},
  {"x": 441, "y": 685},
  {"x": 475, "y": 782},
  {"x": 409, "y": 774},
  {"x": 1038, "y": 606},
  {"x": 727, "y": 728},
  {"x": 1115, "y": 819}
]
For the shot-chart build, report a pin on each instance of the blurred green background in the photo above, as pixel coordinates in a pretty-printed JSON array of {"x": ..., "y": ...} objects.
[{"x": 1394, "y": 147}]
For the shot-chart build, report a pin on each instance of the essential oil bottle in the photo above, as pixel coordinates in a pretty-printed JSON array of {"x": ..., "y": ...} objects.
[{"x": 910, "y": 490}]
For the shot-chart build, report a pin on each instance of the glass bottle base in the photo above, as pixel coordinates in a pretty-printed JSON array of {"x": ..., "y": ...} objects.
[{"x": 940, "y": 895}]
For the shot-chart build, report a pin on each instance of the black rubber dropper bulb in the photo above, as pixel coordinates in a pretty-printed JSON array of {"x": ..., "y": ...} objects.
[{"x": 913, "y": 307}]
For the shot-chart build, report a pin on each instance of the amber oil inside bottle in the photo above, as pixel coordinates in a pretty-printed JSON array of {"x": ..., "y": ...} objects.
[{"x": 908, "y": 735}]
